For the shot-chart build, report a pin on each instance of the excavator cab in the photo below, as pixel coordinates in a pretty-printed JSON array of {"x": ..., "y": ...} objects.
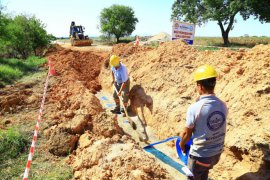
[{"x": 77, "y": 37}]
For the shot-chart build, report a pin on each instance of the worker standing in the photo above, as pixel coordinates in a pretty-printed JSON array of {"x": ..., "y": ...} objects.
[
  {"x": 71, "y": 29},
  {"x": 121, "y": 82},
  {"x": 206, "y": 123}
]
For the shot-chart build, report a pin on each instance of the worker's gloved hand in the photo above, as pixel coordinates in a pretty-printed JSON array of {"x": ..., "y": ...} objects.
[
  {"x": 183, "y": 148},
  {"x": 119, "y": 94},
  {"x": 182, "y": 134}
]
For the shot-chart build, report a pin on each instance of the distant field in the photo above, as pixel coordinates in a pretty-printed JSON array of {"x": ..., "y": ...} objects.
[
  {"x": 236, "y": 42},
  {"x": 103, "y": 40}
]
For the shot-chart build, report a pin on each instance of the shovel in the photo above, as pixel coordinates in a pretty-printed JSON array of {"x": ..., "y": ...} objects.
[{"x": 133, "y": 125}]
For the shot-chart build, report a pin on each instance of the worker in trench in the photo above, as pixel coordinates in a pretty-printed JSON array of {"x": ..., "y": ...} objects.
[
  {"x": 206, "y": 123},
  {"x": 121, "y": 82}
]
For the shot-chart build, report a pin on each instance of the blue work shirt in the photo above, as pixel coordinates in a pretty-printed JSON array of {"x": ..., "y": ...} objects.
[
  {"x": 121, "y": 74},
  {"x": 208, "y": 118}
]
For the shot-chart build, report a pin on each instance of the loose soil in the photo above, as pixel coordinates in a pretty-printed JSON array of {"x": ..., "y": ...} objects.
[
  {"x": 76, "y": 126},
  {"x": 163, "y": 88}
]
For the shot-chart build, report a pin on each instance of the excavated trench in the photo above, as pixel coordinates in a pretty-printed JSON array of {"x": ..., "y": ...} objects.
[
  {"x": 162, "y": 90},
  {"x": 79, "y": 124},
  {"x": 96, "y": 145},
  {"x": 160, "y": 99}
]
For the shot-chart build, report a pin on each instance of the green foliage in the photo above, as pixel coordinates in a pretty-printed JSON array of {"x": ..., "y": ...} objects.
[
  {"x": 206, "y": 48},
  {"x": 26, "y": 35},
  {"x": 154, "y": 44},
  {"x": 8, "y": 74},
  {"x": 222, "y": 11},
  {"x": 12, "y": 144},
  {"x": 117, "y": 20},
  {"x": 105, "y": 38},
  {"x": 127, "y": 39},
  {"x": 18, "y": 35},
  {"x": 260, "y": 9},
  {"x": 13, "y": 69},
  {"x": 14, "y": 149},
  {"x": 22, "y": 36},
  {"x": 4, "y": 21},
  {"x": 38, "y": 34},
  {"x": 12, "y": 168}
]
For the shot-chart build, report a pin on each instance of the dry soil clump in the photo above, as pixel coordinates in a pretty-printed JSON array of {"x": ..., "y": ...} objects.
[
  {"x": 78, "y": 125},
  {"x": 161, "y": 79}
]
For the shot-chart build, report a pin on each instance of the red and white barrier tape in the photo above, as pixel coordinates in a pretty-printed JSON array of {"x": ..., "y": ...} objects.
[{"x": 32, "y": 148}]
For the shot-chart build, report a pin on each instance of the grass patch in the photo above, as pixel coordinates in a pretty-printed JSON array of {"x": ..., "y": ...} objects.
[
  {"x": 49, "y": 171},
  {"x": 201, "y": 48},
  {"x": 14, "y": 69},
  {"x": 12, "y": 144},
  {"x": 14, "y": 149},
  {"x": 154, "y": 44},
  {"x": 103, "y": 40}
]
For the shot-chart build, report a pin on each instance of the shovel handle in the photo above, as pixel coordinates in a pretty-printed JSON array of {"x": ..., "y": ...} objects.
[
  {"x": 120, "y": 99},
  {"x": 129, "y": 119}
]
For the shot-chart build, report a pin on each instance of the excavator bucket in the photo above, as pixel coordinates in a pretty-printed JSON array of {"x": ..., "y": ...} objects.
[{"x": 82, "y": 42}]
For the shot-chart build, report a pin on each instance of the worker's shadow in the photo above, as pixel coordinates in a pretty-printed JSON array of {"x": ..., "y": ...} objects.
[
  {"x": 263, "y": 172},
  {"x": 139, "y": 102}
]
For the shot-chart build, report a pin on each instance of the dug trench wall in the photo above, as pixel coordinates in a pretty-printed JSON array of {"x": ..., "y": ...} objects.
[
  {"x": 162, "y": 89},
  {"x": 79, "y": 128}
]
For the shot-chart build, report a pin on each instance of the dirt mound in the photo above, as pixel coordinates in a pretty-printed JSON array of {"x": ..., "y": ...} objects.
[
  {"x": 106, "y": 153},
  {"x": 61, "y": 142},
  {"x": 106, "y": 126},
  {"x": 18, "y": 103},
  {"x": 165, "y": 76},
  {"x": 71, "y": 93},
  {"x": 54, "y": 48},
  {"x": 79, "y": 66},
  {"x": 161, "y": 37},
  {"x": 124, "y": 50},
  {"x": 77, "y": 122},
  {"x": 108, "y": 160},
  {"x": 14, "y": 98}
]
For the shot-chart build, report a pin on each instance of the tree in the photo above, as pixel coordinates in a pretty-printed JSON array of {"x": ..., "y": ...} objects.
[
  {"x": 26, "y": 35},
  {"x": 117, "y": 20},
  {"x": 222, "y": 11},
  {"x": 260, "y": 9},
  {"x": 4, "y": 21},
  {"x": 19, "y": 37},
  {"x": 22, "y": 35},
  {"x": 39, "y": 37}
]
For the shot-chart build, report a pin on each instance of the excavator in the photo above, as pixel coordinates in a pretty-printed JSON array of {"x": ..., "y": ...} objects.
[{"x": 77, "y": 37}]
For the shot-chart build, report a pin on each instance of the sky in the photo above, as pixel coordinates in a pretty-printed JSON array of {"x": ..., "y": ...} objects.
[{"x": 153, "y": 15}]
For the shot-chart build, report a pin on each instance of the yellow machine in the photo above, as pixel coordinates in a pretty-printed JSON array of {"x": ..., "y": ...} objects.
[{"x": 77, "y": 37}]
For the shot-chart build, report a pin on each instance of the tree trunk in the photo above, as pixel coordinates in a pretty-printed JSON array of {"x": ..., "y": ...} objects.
[
  {"x": 225, "y": 36},
  {"x": 117, "y": 39},
  {"x": 225, "y": 33}
]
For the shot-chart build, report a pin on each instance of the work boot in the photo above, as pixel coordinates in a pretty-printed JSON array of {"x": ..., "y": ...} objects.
[
  {"x": 116, "y": 110},
  {"x": 123, "y": 112}
]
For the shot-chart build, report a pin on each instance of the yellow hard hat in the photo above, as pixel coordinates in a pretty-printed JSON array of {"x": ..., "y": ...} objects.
[
  {"x": 204, "y": 72},
  {"x": 114, "y": 61}
]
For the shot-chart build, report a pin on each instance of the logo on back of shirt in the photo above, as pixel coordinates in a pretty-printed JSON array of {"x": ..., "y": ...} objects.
[{"x": 215, "y": 120}]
